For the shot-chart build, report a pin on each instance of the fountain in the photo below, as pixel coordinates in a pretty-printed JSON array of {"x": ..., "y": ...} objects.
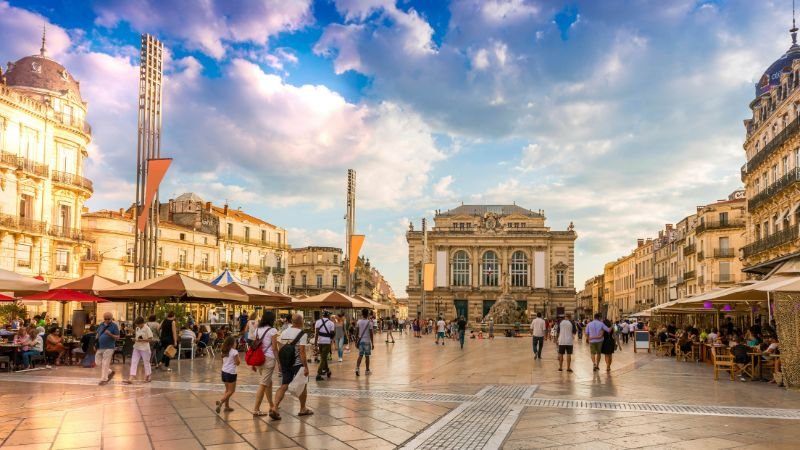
[{"x": 506, "y": 311}]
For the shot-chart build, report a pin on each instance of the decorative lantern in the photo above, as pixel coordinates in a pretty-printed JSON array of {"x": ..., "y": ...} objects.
[
  {"x": 707, "y": 304},
  {"x": 727, "y": 307}
]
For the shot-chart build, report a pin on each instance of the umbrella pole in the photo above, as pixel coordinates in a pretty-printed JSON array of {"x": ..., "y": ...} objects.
[{"x": 769, "y": 309}]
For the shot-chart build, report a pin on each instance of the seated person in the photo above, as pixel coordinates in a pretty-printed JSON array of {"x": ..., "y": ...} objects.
[
  {"x": 205, "y": 336},
  {"x": 186, "y": 333},
  {"x": 35, "y": 347},
  {"x": 221, "y": 333},
  {"x": 713, "y": 336},
  {"x": 753, "y": 340},
  {"x": 55, "y": 345},
  {"x": 740, "y": 355},
  {"x": 6, "y": 332},
  {"x": 663, "y": 336},
  {"x": 87, "y": 340},
  {"x": 684, "y": 342}
]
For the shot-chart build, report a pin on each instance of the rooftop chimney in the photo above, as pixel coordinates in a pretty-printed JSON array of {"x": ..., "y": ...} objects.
[
  {"x": 208, "y": 206},
  {"x": 225, "y": 210},
  {"x": 639, "y": 242}
]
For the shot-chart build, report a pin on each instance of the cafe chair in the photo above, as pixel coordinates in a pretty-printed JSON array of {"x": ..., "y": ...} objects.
[
  {"x": 5, "y": 361},
  {"x": 186, "y": 345},
  {"x": 125, "y": 351},
  {"x": 722, "y": 363},
  {"x": 38, "y": 359}
]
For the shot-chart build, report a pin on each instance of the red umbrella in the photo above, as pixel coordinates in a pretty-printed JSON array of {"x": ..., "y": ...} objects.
[
  {"x": 5, "y": 298},
  {"x": 64, "y": 296}
]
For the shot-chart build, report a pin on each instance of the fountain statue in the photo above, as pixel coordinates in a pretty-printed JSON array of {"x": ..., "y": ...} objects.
[{"x": 506, "y": 312}]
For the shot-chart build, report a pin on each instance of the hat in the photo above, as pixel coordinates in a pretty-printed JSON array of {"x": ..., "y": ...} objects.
[{"x": 326, "y": 313}]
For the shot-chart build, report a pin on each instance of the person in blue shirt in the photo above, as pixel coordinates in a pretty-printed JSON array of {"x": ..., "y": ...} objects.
[{"x": 107, "y": 336}]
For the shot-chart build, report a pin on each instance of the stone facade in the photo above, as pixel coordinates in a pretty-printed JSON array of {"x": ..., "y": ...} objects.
[
  {"x": 483, "y": 252},
  {"x": 316, "y": 270}
]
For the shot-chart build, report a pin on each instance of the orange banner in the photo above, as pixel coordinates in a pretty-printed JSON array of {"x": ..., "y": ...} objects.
[
  {"x": 356, "y": 241},
  {"x": 428, "y": 276},
  {"x": 156, "y": 169}
]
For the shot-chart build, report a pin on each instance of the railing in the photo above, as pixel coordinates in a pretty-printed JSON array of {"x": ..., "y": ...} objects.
[
  {"x": 205, "y": 268},
  {"x": 72, "y": 179},
  {"x": 772, "y": 145},
  {"x": 25, "y": 164},
  {"x": 22, "y": 224},
  {"x": 279, "y": 270},
  {"x": 181, "y": 266},
  {"x": 775, "y": 239},
  {"x": 717, "y": 225},
  {"x": 689, "y": 249},
  {"x": 768, "y": 192},
  {"x": 689, "y": 275},
  {"x": 725, "y": 278},
  {"x": 660, "y": 281},
  {"x": 723, "y": 253},
  {"x": 314, "y": 287},
  {"x": 256, "y": 242},
  {"x": 72, "y": 121},
  {"x": 67, "y": 233},
  {"x": 93, "y": 258}
]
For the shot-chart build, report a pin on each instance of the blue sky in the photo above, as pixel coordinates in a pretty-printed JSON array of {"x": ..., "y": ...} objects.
[{"x": 619, "y": 116}]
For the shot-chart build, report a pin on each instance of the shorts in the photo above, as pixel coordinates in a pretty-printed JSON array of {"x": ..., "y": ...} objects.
[
  {"x": 266, "y": 371},
  {"x": 364, "y": 348},
  {"x": 288, "y": 373},
  {"x": 228, "y": 377},
  {"x": 596, "y": 348},
  {"x": 440, "y": 334},
  {"x": 564, "y": 349}
]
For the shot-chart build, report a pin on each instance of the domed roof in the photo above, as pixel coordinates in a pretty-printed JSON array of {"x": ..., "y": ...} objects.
[
  {"x": 43, "y": 73},
  {"x": 772, "y": 76}
]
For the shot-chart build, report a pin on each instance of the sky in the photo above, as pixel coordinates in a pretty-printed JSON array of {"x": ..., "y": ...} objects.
[{"x": 618, "y": 116}]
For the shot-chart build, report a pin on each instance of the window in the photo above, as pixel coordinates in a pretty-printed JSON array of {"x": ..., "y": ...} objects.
[
  {"x": 67, "y": 159},
  {"x": 64, "y": 217},
  {"x": 560, "y": 278},
  {"x": 26, "y": 207},
  {"x": 460, "y": 269},
  {"x": 263, "y": 262},
  {"x": 797, "y": 158},
  {"x": 724, "y": 243},
  {"x": 129, "y": 255},
  {"x": 336, "y": 259},
  {"x": 785, "y": 164},
  {"x": 758, "y": 186},
  {"x": 247, "y": 234},
  {"x": 160, "y": 258},
  {"x": 335, "y": 281},
  {"x": 291, "y": 280},
  {"x": 319, "y": 257},
  {"x": 62, "y": 260},
  {"x": 519, "y": 269},
  {"x": 229, "y": 255},
  {"x": 182, "y": 258},
  {"x": 775, "y": 173},
  {"x": 264, "y": 236},
  {"x": 723, "y": 218},
  {"x": 765, "y": 180},
  {"x": 305, "y": 259},
  {"x": 490, "y": 266},
  {"x": 765, "y": 228},
  {"x": 205, "y": 240},
  {"x": 319, "y": 281},
  {"x": 304, "y": 281},
  {"x": 230, "y": 231},
  {"x": 278, "y": 261},
  {"x": 24, "y": 255},
  {"x": 204, "y": 262},
  {"x": 182, "y": 236},
  {"x": 29, "y": 144}
]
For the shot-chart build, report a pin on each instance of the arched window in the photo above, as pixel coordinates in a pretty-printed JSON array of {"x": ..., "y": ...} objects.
[
  {"x": 460, "y": 269},
  {"x": 490, "y": 269},
  {"x": 519, "y": 269}
]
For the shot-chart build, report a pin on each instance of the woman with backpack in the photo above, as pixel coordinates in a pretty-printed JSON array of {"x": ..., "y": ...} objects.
[{"x": 266, "y": 341}]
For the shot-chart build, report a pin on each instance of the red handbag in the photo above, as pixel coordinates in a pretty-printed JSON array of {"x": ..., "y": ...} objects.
[{"x": 254, "y": 355}]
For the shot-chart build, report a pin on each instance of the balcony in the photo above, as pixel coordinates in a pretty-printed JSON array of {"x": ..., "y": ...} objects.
[
  {"x": 723, "y": 253},
  {"x": 73, "y": 122},
  {"x": 24, "y": 164},
  {"x": 67, "y": 233},
  {"x": 725, "y": 278},
  {"x": 72, "y": 180},
  {"x": 770, "y": 191},
  {"x": 661, "y": 281},
  {"x": 774, "y": 240},
  {"x": 772, "y": 146},
  {"x": 280, "y": 271},
  {"x": 700, "y": 255},
  {"x": 707, "y": 225},
  {"x": 16, "y": 223},
  {"x": 689, "y": 249},
  {"x": 689, "y": 275},
  {"x": 255, "y": 242},
  {"x": 181, "y": 266}
]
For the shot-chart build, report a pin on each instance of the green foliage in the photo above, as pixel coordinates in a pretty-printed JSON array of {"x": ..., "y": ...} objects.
[
  {"x": 162, "y": 308},
  {"x": 11, "y": 311}
]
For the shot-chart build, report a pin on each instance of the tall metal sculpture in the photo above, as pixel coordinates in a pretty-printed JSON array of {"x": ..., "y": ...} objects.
[
  {"x": 350, "y": 216},
  {"x": 145, "y": 250}
]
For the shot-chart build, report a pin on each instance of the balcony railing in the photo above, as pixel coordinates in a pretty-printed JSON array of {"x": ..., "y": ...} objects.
[
  {"x": 256, "y": 242},
  {"x": 723, "y": 252},
  {"x": 689, "y": 275},
  {"x": 775, "y": 239},
  {"x": 67, "y": 233},
  {"x": 24, "y": 164},
  {"x": 72, "y": 179},
  {"x": 718, "y": 225},
  {"x": 660, "y": 281},
  {"x": 181, "y": 266},
  {"x": 22, "y": 224},
  {"x": 74, "y": 122},
  {"x": 689, "y": 249},
  {"x": 772, "y": 145},
  {"x": 770, "y": 191},
  {"x": 725, "y": 278}
]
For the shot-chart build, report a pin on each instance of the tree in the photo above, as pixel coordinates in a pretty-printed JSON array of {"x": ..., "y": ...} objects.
[{"x": 11, "y": 311}]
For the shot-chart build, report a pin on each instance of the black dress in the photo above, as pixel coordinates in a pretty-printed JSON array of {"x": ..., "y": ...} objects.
[{"x": 609, "y": 345}]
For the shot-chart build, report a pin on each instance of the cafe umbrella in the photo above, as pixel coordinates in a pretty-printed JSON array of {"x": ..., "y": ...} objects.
[
  {"x": 20, "y": 284},
  {"x": 64, "y": 296}
]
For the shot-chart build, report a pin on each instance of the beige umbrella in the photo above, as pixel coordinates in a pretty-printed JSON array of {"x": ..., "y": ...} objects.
[
  {"x": 20, "y": 284},
  {"x": 375, "y": 305},
  {"x": 257, "y": 296},
  {"x": 333, "y": 299},
  {"x": 177, "y": 286},
  {"x": 90, "y": 284}
]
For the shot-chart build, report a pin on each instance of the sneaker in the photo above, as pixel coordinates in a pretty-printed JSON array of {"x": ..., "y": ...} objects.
[
  {"x": 111, "y": 375},
  {"x": 320, "y": 378},
  {"x": 368, "y": 372},
  {"x": 340, "y": 359},
  {"x": 103, "y": 382}
]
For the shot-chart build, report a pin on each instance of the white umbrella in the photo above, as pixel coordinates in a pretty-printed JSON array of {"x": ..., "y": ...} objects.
[{"x": 12, "y": 281}]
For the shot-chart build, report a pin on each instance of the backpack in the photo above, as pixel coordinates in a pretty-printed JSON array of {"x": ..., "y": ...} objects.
[
  {"x": 286, "y": 355},
  {"x": 255, "y": 356}
]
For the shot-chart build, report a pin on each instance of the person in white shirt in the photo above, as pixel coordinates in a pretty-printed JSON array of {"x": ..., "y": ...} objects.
[
  {"x": 440, "y": 330},
  {"x": 293, "y": 335},
  {"x": 625, "y": 329},
  {"x": 538, "y": 329},
  {"x": 251, "y": 327},
  {"x": 268, "y": 336},
  {"x": 565, "y": 331},
  {"x": 713, "y": 336},
  {"x": 325, "y": 329},
  {"x": 186, "y": 333},
  {"x": 230, "y": 359},
  {"x": 141, "y": 350}
]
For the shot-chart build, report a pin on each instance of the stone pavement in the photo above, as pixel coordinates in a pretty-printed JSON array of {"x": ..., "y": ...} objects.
[{"x": 420, "y": 395}]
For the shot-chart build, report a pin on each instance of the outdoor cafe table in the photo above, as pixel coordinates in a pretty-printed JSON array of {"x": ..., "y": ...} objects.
[{"x": 11, "y": 349}]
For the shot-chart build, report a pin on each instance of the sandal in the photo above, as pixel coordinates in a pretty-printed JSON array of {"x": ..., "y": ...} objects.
[
  {"x": 274, "y": 415},
  {"x": 307, "y": 412},
  {"x": 260, "y": 413},
  {"x": 219, "y": 406},
  {"x": 228, "y": 409}
]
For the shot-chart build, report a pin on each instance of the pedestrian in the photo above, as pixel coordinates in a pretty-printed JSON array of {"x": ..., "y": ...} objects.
[
  {"x": 538, "y": 326},
  {"x": 268, "y": 336},
  {"x": 579, "y": 327},
  {"x": 365, "y": 340},
  {"x": 491, "y": 328},
  {"x": 107, "y": 335},
  {"x": 143, "y": 335},
  {"x": 325, "y": 329},
  {"x": 626, "y": 329},
  {"x": 594, "y": 336},
  {"x": 440, "y": 330},
  {"x": 243, "y": 319},
  {"x": 338, "y": 335},
  {"x": 565, "y": 331},
  {"x": 462, "y": 330},
  {"x": 168, "y": 336},
  {"x": 292, "y": 358},
  {"x": 250, "y": 328},
  {"x": 609, "y": 345},
  {"x": 389, "y": 331},
  {"x": 230, "y": 359}
]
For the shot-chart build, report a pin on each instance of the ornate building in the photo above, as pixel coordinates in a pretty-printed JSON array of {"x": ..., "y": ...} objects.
[
  {"x": 44, "y": 140},
  {"x": 482, "y": 252},
  {"x": 315, "y": 270},
  {"x": 772, "y": 170}
]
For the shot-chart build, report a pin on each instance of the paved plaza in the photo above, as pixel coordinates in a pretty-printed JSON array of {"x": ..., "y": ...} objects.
[{"x": 419, "y": 396}]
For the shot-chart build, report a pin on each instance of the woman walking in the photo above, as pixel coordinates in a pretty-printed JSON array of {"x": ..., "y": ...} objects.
[
  {"x": 609, "y": 345},
  {"x": 169, "y": 336},
  {"x": 230, "y": 359},
  {"x": 338, "y": 335},
  {"x": 143, "y": 335},
  {"x": 251, "y": 327},
  {"x": 268, "y": 335}
]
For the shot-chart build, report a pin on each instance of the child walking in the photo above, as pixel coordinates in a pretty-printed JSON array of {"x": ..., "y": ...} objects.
[{"x": 230, "y": 359}]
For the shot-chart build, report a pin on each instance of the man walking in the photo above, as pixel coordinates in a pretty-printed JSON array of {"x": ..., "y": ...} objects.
[
  {"x": 462, "y": 330},
  {"x": 594, "y": 336},
  {"x": 440, "y": 330},
  {"x": 292, "y": 336},
  {"x": 365, "y": 340},
  {"x": 107, "y": 335},
  {"x": 565, "y": 331},
  {"x": 325, "y": 331},
  {"x": 625, "y": 330},
  {"x": 538, "y": 330},
  {"x": 389, "y": 330}
]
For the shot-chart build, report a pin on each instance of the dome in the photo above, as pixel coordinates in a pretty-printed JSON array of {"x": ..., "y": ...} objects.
[
  {"x": 772, "y": 76},
  {"x": 42, "y": 73}
]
